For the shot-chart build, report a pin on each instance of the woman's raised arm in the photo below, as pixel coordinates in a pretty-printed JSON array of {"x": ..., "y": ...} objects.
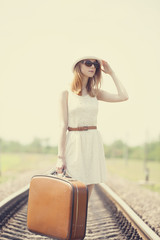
[{"x": 121, "y": 92}]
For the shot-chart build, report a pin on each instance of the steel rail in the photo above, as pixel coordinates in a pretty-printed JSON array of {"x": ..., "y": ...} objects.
[
  {"x": 12, "y": 204},
  {"x": 142, "y": 228}
]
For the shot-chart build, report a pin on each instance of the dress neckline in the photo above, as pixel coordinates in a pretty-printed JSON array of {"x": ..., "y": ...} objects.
[
  {"x": 79, "y": 95},
  {"x": 83, "y": 96}
]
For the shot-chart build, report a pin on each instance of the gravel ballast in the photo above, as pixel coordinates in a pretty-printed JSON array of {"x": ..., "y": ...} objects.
[{"x": 144, "y": 202}]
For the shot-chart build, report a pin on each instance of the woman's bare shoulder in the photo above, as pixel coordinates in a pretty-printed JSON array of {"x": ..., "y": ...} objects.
[{"x": 63, "y": 94}]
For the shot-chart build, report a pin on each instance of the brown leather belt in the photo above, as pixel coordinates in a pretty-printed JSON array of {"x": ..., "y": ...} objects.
[{"x": 85, "y": 128}]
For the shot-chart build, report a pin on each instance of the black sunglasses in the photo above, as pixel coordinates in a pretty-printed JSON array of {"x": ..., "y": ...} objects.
[{"x": 89, "y": 63}]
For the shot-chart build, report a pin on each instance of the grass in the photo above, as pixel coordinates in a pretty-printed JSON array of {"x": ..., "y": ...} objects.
[
  {"x": 12, "y": 164},
  {"x": 134, "y": 170}
]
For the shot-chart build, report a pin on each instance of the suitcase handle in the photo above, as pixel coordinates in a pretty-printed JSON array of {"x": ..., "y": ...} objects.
[{"x": 64, "y": 174}]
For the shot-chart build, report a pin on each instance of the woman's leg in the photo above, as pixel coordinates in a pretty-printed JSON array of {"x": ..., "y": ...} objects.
[{"x": 90, "y": 188}]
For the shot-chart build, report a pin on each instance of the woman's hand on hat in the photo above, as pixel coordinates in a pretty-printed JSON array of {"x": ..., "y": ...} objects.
[{"x": 106, "y": 67}]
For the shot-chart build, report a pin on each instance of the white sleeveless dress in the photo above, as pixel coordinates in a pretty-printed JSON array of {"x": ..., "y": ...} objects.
[{"x": 84, "y": 152}]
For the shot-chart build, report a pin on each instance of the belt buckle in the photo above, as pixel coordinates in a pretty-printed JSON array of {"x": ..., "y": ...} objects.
[{"x": 85, "y": 128}]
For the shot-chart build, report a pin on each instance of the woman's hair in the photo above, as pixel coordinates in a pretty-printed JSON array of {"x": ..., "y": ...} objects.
[{"x": 93, "y": 84}]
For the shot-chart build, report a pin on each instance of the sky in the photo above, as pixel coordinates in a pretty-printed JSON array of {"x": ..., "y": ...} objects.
[{"x": 41, "y": 39}]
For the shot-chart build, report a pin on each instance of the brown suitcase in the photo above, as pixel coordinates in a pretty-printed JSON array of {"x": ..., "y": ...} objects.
[{"x": 57, "y": 207}]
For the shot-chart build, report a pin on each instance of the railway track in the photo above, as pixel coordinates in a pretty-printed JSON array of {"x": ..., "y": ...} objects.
[{"x": 108, "y": 218}]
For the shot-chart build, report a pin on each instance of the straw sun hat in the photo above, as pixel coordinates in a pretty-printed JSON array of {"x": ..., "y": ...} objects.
[{"x": 83, "y": 58}]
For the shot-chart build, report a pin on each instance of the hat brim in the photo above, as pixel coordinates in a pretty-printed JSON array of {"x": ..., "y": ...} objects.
[{"x": 83, "y": 58}]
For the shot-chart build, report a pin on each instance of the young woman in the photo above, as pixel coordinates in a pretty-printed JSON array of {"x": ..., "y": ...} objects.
[{"x": 80, "y": 148}]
